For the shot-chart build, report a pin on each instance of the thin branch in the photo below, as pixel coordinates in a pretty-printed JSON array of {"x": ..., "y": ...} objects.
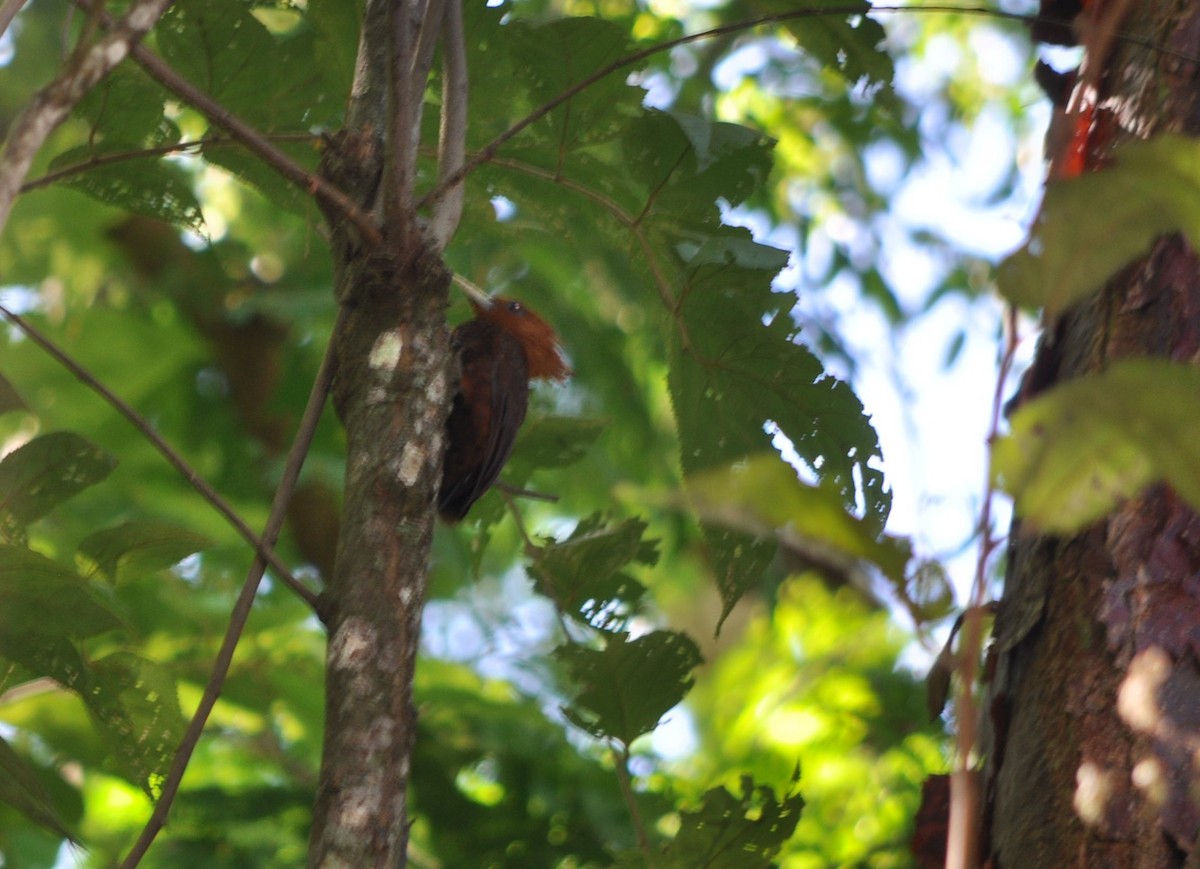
[
  {"x": 51, "y": 105},
  {"x": 452, "y": 137},
  {"x": 962, "y": 843},
  {"x": 430, "y": 27},
  {"x": 241, "y": 610},
  {"x": 177, "y": 461},
  {"x": 99, "y": 160},
  {"x": 639, "y": 826},
  {"x": 488, "y": 151},
  {"x": 8, "y": 11},
  {"x": 400, "y": 155}
]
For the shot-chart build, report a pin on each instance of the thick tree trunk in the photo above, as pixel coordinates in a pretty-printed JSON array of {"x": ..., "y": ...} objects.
[{"x": 1094, "y": 705}]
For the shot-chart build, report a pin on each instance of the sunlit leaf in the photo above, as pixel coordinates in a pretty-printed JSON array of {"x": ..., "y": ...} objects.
[
  {"x": 763, "y": 495},
  {"x": 138, "y": 547},
  {"x": 1093, "y": 225},
  {"x": 627, "y": 686},
  {"x": 135, "y": 705},
  {"x": 1077, "y": 450},
  {"x": 44, "y": 473}
]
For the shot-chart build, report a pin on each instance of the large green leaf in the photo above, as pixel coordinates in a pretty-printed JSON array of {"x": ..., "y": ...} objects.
[
  {"x": 1075, "y": 451},
  {"x": 139, "y": 547},
  {"x": 627, "y": 686},
  {"x": 43, "y": 598},
  {"x": 44, "y": 473},
  {"x": 1093, "y": 225}
]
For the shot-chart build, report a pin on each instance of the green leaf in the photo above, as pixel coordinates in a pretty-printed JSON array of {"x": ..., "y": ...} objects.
[
  {"x": 584, "y": 574},
  {"x": 135, "y": 704},
  {"x": 763, "y": 496},
  {"x": 1077, "y": 450},
  {"x": 728, "y": 832},
  {"x": 44, "y": 473},
  {"x": 151, "y": 187},
  {"x": 43, "y": 598},
  {"x": 846, "y": 43},
  {"x": 628, "y": 685},
  {"x": 21, "y": 788},
  {"x": 1093, "y": 225},
  {"x": 136, "y": 548}
]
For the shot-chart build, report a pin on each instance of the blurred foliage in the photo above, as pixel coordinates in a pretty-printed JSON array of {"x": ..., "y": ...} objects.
[{"x": 197, "y": 286}]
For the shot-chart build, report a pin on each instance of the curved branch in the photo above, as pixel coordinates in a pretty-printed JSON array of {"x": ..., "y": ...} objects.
[
  {"x": 241, "y": 610},
  {"x": 51, "y": 105},
  {"x": 173, "y": 458}
]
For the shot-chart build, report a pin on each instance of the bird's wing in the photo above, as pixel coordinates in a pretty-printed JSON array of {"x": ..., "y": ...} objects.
[{"x": 485, "y": 417}]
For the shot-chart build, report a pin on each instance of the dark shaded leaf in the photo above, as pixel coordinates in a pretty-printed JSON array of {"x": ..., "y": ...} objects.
[
  {"x": 42, "y": 598},
  {"x": 21, "y": 788},
  {"x": 584, "y": 574},
  {"x": 44, "y": 473},
  {"x": 628, "y": 685},
  {"x": 729, "y": 832}
]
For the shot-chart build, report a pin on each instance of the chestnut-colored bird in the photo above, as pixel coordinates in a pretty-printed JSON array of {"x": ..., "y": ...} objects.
[{"x": 504, "y": 347}]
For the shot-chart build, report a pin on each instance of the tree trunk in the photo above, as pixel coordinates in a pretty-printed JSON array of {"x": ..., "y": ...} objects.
[
  {"x": 391, "y": 392},
  {"x": 1094, "y": 704}
]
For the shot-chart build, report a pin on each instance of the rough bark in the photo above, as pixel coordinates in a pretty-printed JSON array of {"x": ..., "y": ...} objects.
[
  {"x": 1094, "y": 704},
  {"x": 391, "y": 394}
]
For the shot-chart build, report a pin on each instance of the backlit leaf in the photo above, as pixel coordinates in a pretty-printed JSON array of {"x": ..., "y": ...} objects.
[
  {"x": 627, "y": 686},
  {"x": 1075, "y": 451},
  {"x": 1093, "y": 225}
]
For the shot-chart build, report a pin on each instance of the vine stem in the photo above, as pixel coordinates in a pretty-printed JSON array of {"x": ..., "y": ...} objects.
[
  {"x": 241, "y": 610},
  {"x": 626, "y": 782},
  {"x": 139, "y": 422},
  {"x": 962, "y": 844}
]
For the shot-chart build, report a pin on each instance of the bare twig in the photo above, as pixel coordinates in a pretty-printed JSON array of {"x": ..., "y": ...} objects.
[
  {"x": 452, "y": 138},
  {"x": 962, "y": 845},
  {"x": 241, "y": 611},
  {"x": 51, "y": 105},
  {"x": 177, "y": 461}
]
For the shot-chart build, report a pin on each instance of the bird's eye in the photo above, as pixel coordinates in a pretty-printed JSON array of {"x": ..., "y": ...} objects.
[{"x": 515, "y": 308}]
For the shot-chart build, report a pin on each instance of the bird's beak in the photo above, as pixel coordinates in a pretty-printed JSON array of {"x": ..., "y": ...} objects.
[{"x": 475, "y": 296}]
